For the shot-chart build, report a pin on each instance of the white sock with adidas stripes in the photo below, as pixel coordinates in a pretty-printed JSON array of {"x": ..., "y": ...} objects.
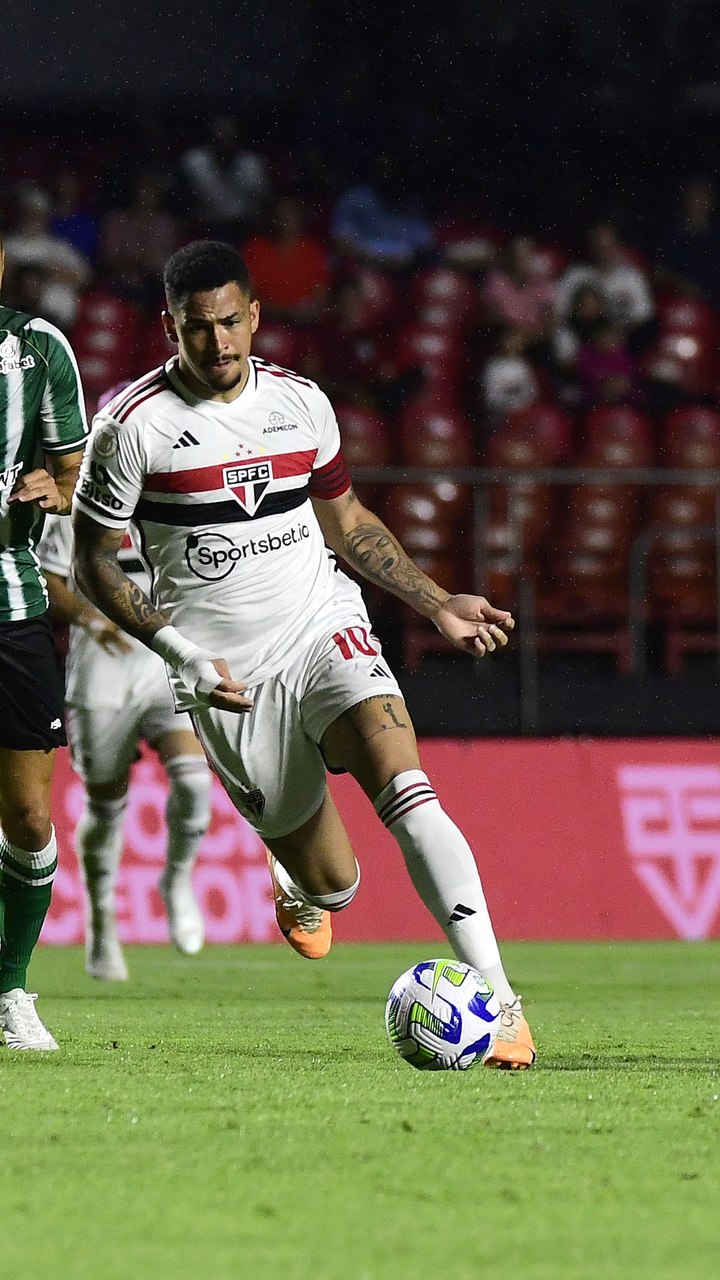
[{"x": 442, "y": 869}]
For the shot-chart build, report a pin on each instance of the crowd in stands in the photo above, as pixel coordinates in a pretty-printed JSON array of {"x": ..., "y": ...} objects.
[{"x": 442, "y": 340}]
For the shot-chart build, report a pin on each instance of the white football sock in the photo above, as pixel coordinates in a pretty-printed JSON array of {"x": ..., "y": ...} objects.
[
  {"x": 326, "y": 901},
  {"x": 442, "y": 868},
  {"x": 187, "y": 812},
  {"x": 98, "y": 844}
]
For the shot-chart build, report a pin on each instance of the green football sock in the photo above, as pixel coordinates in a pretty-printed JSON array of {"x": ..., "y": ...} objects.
[{"x": 25, "y": 890}]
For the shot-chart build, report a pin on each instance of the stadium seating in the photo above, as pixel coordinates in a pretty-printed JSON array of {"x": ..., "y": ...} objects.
[
  {"x": 690, "y": 437},
  {"x": 430, "y": 529},
  {"x": 106, "y": 340},
  {"x": 366, "y": 442},
  {"x": 278, "y": 344},
  {"x": 617, "y": 436},
  {"x": 434, "y": 436},
  {"x": 435, "y": 353},
  {"x": 549, "y": 426},
  {"x": 583, "y": 580},
  {"x": 380, "y": 296},
  {"x": 685, "y": 361},
  {"x": 444, "y": 299},
  {"x": 682, "y": 571}
]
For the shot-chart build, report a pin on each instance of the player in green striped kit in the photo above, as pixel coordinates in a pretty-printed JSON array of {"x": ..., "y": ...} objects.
[{"x": 42, "y": 436}]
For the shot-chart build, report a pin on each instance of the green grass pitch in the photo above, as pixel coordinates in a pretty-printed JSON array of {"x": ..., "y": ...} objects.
[{"x": 242, "y": 1115}]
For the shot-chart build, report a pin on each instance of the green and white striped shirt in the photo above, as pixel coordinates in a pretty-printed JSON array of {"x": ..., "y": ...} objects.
[{"x": 41, "y": 413}]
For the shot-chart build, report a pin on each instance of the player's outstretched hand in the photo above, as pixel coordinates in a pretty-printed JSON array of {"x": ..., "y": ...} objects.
[
  {"x": 228, "y": 695},
  {"x": 473, "y": 624},
  {"x": 39, "y": 486}
]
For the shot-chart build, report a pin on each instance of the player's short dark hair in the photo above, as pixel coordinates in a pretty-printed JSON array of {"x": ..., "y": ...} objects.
[{"x": 201, "y": 266}]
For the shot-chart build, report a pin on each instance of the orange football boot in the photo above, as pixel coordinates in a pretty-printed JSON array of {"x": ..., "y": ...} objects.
[
  {"x": 513, "y": 1049},
  {"x": 308, "y": 929}
]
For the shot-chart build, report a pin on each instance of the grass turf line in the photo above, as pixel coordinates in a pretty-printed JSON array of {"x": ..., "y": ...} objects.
[{"x": 241, "y": 1113}]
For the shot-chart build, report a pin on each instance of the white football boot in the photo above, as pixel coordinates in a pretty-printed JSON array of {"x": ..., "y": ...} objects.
[
  {"x": 185, "y": 919},
  {"x": 20, "y": 1024}
]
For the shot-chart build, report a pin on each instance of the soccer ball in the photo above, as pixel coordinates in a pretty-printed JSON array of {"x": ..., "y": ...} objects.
[{"x": 442, "y": 1016}]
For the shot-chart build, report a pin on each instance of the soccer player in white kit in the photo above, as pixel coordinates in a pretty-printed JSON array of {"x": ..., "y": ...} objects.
[
  {"x": 117, "y": 695},
  {"x": 232, "y": 471}
]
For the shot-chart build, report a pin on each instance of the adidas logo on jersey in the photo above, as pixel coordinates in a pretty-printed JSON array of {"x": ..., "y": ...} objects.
[{"x": 185, "y": 440}]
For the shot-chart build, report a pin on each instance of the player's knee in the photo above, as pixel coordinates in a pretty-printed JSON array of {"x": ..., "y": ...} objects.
[
  {"x": 337, "y": 898},
  {"x": 27, "y": 822},
  {"x": 190, "y": 785}
]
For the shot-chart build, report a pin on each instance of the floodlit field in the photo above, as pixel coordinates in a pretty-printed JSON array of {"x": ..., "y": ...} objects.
[{"x": 241, "y": 1115}]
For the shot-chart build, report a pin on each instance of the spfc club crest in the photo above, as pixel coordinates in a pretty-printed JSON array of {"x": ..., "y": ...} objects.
[
  {"x": 671, "y": 816},
  {"x": 247, "y": 483}
]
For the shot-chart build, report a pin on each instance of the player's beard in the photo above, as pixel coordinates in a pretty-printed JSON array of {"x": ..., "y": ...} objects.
[{"x": 221, "y": 381}]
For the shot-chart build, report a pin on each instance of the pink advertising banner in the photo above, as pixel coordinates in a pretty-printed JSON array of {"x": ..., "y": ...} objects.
[{"x": 574, "y": 839}]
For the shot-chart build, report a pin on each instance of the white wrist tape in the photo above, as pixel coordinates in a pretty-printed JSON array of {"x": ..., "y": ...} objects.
[{"x": 192, "y": 664}]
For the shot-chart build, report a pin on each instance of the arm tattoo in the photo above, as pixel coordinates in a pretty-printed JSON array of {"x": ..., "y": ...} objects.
[
  {"x": 102, "y": 580},
  {"x": 378, "y": 556}
]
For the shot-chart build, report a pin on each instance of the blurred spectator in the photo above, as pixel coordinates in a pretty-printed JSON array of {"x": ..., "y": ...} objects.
[
  {"x": 606, "y": 369},
  {"x": 136, "y": 241},
  {"x": 228, "y": 186},
  {"x": 288, "y": 268},
  {"x": 623, "y": 285},
  {"x": 380, "y": 222},
  {"x": 31, "y": 241},
  {"x": 516, "y": 294},
  {"x": 26, "y": 291},
  {"x": 72, "y": 220},
  {"x": 508, "y": 380},
  {"x": 689, "y": 249},
  {"x": 587, "y": 307}
]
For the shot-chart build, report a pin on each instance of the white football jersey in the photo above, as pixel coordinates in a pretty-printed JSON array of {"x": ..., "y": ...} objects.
[
  {"x": 93, "y": 677},
  {"x": 220, "y": 494}
]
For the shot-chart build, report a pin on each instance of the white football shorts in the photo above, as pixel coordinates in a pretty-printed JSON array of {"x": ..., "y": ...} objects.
[
  {"x": 104, "y": 740},
  {"x": 268, "y": 759}
]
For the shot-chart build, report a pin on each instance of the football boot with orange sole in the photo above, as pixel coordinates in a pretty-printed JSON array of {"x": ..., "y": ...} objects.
[
  {"x": 513, "y": 1049},
  {"x": 307, "y": 928}
]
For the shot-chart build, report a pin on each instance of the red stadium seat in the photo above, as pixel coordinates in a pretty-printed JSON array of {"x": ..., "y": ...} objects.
[
  {"x": 428, "y": 529},
  {"x": 379, "y": 295},
  {"x": 582, "y": 604},
  {"x": 683, "y": 599},
  {"x": 278, "y": 344},
  {"x": 549, "y": 426},
  {"x": 682, "y": 572},
  {"x": 598, "y": 505},
  {"x": 443, "y": 298},
  {"x": 683, "y": 506},
  {"x": 690, "y": 437},
  {"x": 681, "y": 314},
  {"x": 365, "y": 435},
  {"x": 105, "y": 338},
  {"x": 617, "y": 436},
  {"x": 155, "y": 347},
  {"x": 434, "y": 437},
  {"x": 685, "y": 361},
  {"x": 437, "y": 354},
  {"x": 526, "y": 507},
  {"x": 420, "y": 637}
]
